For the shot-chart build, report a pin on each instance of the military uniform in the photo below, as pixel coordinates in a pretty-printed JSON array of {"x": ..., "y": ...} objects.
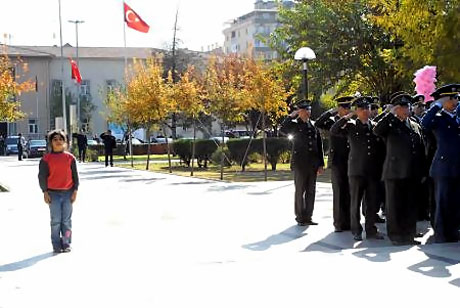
[
  {"x": 402, "y": 171},
  {"x": 445, "y": 168},
  {"x": 337, "y": 161},
  {"x": 307, "y": 157},
  {"x": 363, "y": 171}
]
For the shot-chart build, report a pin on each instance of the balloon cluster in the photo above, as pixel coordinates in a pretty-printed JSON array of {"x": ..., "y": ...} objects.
[{"x": 425, "y": 79}]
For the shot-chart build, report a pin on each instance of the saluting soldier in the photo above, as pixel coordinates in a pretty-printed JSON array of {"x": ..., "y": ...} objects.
[
  {"x": 430, "y": 150},
  {"x": 337, "y": 161},
  {"x": 307, "y": 160},
  {"x": 363, "y": 171},
  {"x": 423, "y": 190},
  {"x": 402, "y": 169},
  {"x": 443, "y": 120},
  {"x": 418, "y": 108}
]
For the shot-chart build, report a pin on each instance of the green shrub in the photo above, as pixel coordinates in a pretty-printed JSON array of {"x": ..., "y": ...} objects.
[
  {"x": 217, "y": 156},
  {"x": 237, "y": 148},
  {"x": 203, "y": 150},
  {"x": 92, "y": 155}
]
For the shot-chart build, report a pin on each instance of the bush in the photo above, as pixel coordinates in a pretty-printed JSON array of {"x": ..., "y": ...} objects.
[
  {"x": 203, "y": 150},
  {"x": 237, "y": 148},
  {"x": 276, "y": 147},
  {"x": 217, "y": 156},
  {"x": 92, "y": 155}
]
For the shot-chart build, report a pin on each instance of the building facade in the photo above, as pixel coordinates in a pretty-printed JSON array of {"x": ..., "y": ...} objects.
[
  {"x": 102, "y": 68},
  {"x": 244, "y": 33}
]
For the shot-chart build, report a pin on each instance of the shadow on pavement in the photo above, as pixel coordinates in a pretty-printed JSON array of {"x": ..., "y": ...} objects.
[
  {"x": 147, "y": 181},
  {"x": 269, "y": 191},
  {"x": 193, "y": 183},
  {"x": 103, "y": 171},
  {"x": 227, "y": 187},
  {"x": 25, "y": 263},
  {"x": 436, "y": 265},
  {"x": 290, "y": 234},
  {"x": 101, "y": 177}
]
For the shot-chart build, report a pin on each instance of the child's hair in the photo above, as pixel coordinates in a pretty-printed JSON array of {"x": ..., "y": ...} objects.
[{"x": 56, "y": 132}]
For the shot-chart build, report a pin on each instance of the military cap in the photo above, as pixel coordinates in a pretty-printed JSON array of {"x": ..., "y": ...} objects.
[
  {"x": 374, "y": 106},
  {"x": 402, "y": 100},
  {"x": 396, "y": 94},
  {"x": 418, "y": 99},
  {"x": 304, "y": 104},
  {"x": 447, "y": 90},
  {"x": 362, "y": 102},
  {"x": 344, "y": 100}
]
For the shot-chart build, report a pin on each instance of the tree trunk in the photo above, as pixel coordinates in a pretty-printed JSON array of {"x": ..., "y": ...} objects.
[
  {"x": 193, "y": 145},
  {"x": 169, "y": 150},
  {"x": 222, "y": 153},
  {"x": 264, "y": 145},
  {"x": 148, "y": 148}
]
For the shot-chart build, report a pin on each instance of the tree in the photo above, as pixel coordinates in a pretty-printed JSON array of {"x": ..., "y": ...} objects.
[
  {"x": 148, "y": 102},
  {"x": 352, "y": 51},
  {"x": 266, "y": 93},
  {"x": 224, "y": 81},
  {"x": 10, "y": 89},
  {"x": 427, "y": 32},
  {"x": 187, "y": 96}
]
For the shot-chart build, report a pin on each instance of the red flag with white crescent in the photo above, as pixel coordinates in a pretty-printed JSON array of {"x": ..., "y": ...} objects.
[
  {"x": 134, "y": 21},
  {"x": 75, "y": 71}
]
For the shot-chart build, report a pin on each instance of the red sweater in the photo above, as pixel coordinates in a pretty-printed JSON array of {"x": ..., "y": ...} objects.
[{"x": 58, "y": 171}]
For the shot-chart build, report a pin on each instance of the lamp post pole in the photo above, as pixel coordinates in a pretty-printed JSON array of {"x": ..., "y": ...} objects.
[
  {"x": 77, "y": 22},
  {"x": 305, "y": 80},
  {"x": 304, "y": 54}
]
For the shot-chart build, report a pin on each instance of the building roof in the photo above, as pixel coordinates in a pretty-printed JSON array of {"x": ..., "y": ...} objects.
[{"x": 83, "y": 52}]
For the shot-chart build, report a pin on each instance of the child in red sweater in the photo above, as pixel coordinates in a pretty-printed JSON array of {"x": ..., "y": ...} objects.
[{"x": 58, "y": 179}]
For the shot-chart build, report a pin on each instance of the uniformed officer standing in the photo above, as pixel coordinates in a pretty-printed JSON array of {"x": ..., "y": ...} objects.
[
  {"x": 402, "y": 169},
  {"x": 307, "y": 160},
  {"x": 363, "y": 170},
  {"x": 423, "y": 190},
  {"x": 430, "y": 150},
  {"x": 443, "y": 120},
  {"x": 337, "y": 161}
]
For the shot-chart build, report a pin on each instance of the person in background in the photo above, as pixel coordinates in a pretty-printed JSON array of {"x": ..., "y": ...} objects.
[
  {"x": 21, "y": 146},
  {"x": 109, "y": 144},
  {"x": 82, "y": 143}
]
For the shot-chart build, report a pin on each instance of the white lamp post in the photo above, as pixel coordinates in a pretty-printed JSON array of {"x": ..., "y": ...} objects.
[{"x": 304, "y": 54}]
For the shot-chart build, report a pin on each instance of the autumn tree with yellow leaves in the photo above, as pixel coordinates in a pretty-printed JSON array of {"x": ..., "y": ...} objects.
[
  {"x": 188, "y": 98},
  {"x": 148, "y": 100},
  {"x": 10, "y": 89},
  {"x": 266, "y": 93}
]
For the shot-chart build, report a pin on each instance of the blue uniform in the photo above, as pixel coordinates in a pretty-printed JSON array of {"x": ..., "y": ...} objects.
[{"x": 445, "y": 170}]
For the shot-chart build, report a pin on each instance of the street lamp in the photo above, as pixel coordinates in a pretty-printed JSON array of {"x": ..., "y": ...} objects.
[
  {"x": 304, "y": 54},
  {"x": 77, "y": 22}
]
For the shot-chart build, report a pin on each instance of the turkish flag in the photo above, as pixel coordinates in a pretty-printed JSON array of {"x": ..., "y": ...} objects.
[
  {"x": 75, "y": 71},
  {"x": 134, "y": 21}
]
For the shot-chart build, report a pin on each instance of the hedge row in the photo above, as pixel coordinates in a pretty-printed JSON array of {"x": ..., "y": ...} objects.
[{"x": 204, "y": 150}]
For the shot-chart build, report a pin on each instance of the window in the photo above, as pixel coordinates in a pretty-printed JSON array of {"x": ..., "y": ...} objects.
[
  {"x": 233, "y": 34},
  {"x": 57, "y": 87},
  {"x": 84, "y": 87},
  {"x": 33, "y": 126},
  {"x": 110, "y": 85}
]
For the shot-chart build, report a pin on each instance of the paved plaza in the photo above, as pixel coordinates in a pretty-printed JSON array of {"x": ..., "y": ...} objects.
[{"x": 145, "y": 239}]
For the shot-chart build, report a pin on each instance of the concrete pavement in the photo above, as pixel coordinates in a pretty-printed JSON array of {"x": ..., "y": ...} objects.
[{"x": 145, "y": 239}]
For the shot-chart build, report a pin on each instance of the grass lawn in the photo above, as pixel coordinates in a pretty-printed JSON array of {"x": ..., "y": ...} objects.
[
  {"x": 253, "y": 173},
  {"x": 117, "y": 158}
]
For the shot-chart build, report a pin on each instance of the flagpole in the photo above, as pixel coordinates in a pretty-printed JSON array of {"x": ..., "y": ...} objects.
[
  {"x": 36, "y": 96},
  {"x": 64, "y": 115},
  {"x": 130, "y": 136}
]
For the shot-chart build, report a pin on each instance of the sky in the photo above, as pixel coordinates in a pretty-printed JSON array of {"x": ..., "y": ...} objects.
[{"x": 36, "y": 22}]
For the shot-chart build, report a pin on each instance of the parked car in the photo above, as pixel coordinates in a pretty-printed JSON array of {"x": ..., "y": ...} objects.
[
  {"x": 91, "y": 142},
  {"x": 36, "y": 148},
  {"x": 11, "y": 143},
  {"x": 160, "y": 139},
  {"x": 218, "y": 139}
]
